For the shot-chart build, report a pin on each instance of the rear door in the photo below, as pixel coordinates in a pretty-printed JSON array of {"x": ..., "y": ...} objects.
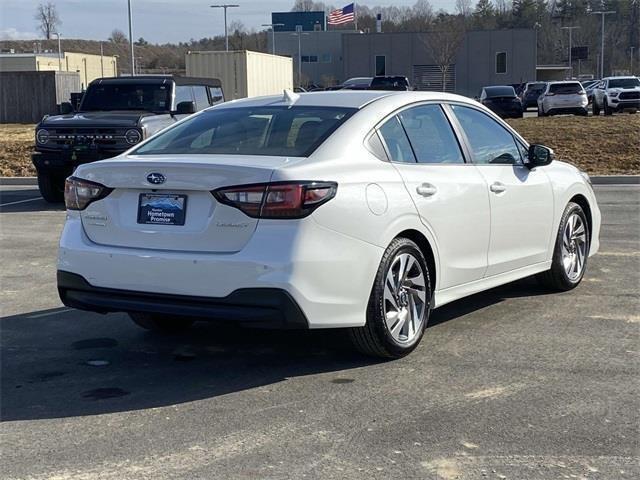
[
  {"x": 449, "y": 194},
  {"x": 521, "y": 199}
]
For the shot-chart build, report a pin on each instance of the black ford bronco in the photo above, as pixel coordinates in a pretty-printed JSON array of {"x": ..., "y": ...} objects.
[{"x": 115, "y": 114}]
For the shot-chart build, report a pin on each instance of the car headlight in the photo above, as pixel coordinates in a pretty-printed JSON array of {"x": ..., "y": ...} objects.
[
  {"x": 42, "y": 136},
  {"x": 132, "y": 136},
  {"x": 613, "y": 94}
]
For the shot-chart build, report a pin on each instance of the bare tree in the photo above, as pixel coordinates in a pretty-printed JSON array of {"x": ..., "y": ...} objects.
[
  {"x": 118, "y": 36},
  {"x": 463, "y": 7},
  {"x": 48, "y": 19},
  {"x": 443, "y": 44}
]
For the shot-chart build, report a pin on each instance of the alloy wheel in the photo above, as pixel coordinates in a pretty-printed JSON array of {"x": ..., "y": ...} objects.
[
  {"x": 405, "y": 298},
  {"x": 574, "y": 247}
]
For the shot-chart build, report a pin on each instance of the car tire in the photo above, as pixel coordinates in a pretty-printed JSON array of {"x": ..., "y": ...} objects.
[
  {"x": 595, "y": 108},
  {"x": 584, "y": 112},
  {"x": 399, "y": 304},
  {"x": 540, "y": 112},
  {"x": 50, "y": 188},
  {"x": 572, "y": 245},
  {"x": 607, "y": 110},
  {"x": 161, "y": 323}
]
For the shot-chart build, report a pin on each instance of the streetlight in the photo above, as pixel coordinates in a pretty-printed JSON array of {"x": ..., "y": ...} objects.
[
  {"x": 273, "y": 34},
  {"x": 570, "y": 62},
  {"x": 133, "y": 60},
  {"x": 631, "y": 61},
  {"x": 226, "y": 35},
  {"x": 60, "y": 54},
  {"x": 602, "y": 13},
  {"x": 299, "y": 35}
]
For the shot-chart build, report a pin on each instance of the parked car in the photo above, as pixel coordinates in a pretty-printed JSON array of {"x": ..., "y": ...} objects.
[
  {"x": 362, "y": 210},
  {"x": 114, "y": 115},
  {"x": 589, "y": 86},
  {"x": 616, "y": 94},
  {"x": 530, "y": 94},
  {"x": 502, "y": 99},
  {"x": 562, "y": 98},
  {"x": 394, "y": 82}
]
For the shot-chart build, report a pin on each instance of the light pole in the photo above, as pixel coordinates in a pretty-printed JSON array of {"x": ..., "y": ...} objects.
[
  {"x": 570, "y": 62},
  {"x": 631, "y": 61},
  {"x": 60, "y": 52},
  {"x": 273, "y": 34},
  {"x": 226, "y": 35},
  {"x": 299, "y": 35},
  {"x": 133, "y": 60},
  {"x": 602, "y": 13}
]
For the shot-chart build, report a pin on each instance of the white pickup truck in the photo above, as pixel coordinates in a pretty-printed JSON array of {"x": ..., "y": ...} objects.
[{"x": 616, "y": 94}]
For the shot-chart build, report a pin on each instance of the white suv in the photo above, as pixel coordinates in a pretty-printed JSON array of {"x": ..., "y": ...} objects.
[
  {"x": 616, "y": 94},
  {"x": 563, "y": 97}
]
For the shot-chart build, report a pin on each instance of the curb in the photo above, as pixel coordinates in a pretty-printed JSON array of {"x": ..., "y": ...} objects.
[
  {"x": 615, "y": 179},
  {"x": 19, "y": 181}
]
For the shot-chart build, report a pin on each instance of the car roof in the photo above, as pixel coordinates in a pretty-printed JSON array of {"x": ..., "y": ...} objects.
[
  {"x": 621, "y": 77},
  {"x": 560, "y": 82},
  {"x": 337, "y": 98},
  {"x": 158, "y": 80}
]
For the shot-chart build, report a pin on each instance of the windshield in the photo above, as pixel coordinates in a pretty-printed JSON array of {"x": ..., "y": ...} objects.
[
  {"x": 127, "y": 96},
  {"x": 278, "y": 131},
  {"x": 500, "y": 92},
  {"x": 566, "y": 88},
  {"x": 624, "y": 83}
]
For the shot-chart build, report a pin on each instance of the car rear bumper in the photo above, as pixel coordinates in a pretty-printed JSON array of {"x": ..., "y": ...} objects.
[
  {"x": 567, "y": 111},
  {"x": 327, "y": 274},
  {"x": 254, "y": 307}
]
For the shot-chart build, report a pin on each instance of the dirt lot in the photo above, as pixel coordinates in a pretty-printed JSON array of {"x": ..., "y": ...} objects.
[{"x": 598, "y": 145}]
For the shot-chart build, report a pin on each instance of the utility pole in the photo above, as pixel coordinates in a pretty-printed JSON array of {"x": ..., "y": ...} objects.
[
  {"x": 602, "y": 13},
  {"x": 570, "y": 62},
  {"x": 133, "y": 60},
  {"x": 60, "y": 51},
  {"x": 101, "y": 61},
  {"x": 631, "y": 61},
  {"x": 226, "y": 35},
  {"x": 273, "y": 34},
  {"x": 299, "y": 35}
]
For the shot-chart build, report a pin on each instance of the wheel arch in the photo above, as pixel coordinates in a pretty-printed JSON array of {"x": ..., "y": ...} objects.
[
  {"x": 425, "y": 247},
  {"x": 584, "y": 204}
]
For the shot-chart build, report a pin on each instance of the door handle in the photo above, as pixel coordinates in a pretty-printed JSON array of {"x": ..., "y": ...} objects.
[
  {"x": 426, "y": 190},
  {"x": 497, "y": 187}
]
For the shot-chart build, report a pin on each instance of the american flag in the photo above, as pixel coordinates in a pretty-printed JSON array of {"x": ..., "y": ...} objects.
[{"x": 342, "y": 15}]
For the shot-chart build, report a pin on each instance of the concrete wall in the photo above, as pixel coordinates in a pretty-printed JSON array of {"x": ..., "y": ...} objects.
[
  {"x": 475, "y": 62},
  {"x": 327, "y": 46},
  {"x": 25, "y": 97}
]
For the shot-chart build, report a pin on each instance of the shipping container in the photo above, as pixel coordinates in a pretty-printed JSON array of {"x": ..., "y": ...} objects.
[{"x": 243, "y": 73}]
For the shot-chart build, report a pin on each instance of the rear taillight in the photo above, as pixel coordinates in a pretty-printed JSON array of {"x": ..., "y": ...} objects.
[
  {"x": 79, "y": 193},
  {"x": 278, "y": 199}
]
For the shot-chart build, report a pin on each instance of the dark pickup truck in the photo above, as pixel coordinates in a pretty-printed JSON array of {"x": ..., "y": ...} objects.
[{"x": 115, "y": 114}]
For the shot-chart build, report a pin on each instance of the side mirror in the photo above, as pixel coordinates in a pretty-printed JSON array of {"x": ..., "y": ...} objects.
[
  {"x": 539, "y": 156},
  {"x": 66, "y": 108},
  {"x": 185, "y": 108}
]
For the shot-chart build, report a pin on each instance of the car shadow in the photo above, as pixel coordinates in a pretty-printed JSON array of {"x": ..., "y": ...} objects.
[
  {"x": 64, "y": 362},
  {"x": 20, "y": 200}
]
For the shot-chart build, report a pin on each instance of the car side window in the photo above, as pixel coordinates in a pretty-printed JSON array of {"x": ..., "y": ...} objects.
[
  {"x": 202, "y": 98},
  {"x": 216, "y": 95},
  {"x": 183, "y": 94},
  {"x": 431, "y": 135},
  {"x": 489, "y": 141},
  {"x": 396, "y": 141}
]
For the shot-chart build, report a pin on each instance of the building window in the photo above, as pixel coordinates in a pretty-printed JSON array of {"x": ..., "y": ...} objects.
[
  {"x": 501, "y": 62},
  {"x": 326, "y": 58},
  {"x": 309, "y": 59},
  {"x": 381, "y": 65},
  {"x": 298, "y": 28},
  {"x": 317, "y": 27}
]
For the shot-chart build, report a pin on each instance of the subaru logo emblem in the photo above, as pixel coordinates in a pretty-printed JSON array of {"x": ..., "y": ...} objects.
[{"x": 155, "y": 178}]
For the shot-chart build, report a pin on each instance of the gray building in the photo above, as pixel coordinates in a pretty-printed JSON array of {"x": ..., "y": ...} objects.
[{"x": 489, "y": 57}]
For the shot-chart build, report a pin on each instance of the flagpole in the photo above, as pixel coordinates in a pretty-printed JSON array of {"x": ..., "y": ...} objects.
[{"x": 355, "y": 15}]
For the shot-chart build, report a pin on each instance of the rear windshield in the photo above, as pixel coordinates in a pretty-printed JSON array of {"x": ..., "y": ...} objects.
[
  {"x": 277, "y": 131},
  {"x": 127, "y": 96},
  {"x": 536, "y": 87},
  {"x": 624, "y": 83},
  {"x": 565, "y": 88},
  {"x": 500, "y": 92}
]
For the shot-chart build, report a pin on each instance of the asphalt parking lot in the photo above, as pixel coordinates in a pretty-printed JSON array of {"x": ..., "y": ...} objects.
[{"x": 514, "y": 383}]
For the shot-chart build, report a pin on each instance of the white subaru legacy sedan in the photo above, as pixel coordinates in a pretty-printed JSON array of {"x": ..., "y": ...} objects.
[{"x": 354, "y": 209}]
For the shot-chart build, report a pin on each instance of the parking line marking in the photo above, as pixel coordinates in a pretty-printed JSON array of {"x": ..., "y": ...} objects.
[
  {"x": 20, "y": 201},
  {"x": 46, "y": 314}
]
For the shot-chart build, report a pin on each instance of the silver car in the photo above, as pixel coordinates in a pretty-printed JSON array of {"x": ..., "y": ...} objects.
[{"x": 562, "y": 98}]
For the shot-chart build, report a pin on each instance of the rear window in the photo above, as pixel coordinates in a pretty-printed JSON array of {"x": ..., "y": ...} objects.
[
  {"x": 565, "y": 88},
  {"x": 624, "y": 83},
  {"x": 278, "y": 131},
  {"x": 536, "y": 87},
  {"x": 500, "y": 92}
]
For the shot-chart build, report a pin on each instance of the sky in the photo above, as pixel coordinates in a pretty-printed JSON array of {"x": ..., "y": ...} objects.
[{"x": 158, "y": 21}]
